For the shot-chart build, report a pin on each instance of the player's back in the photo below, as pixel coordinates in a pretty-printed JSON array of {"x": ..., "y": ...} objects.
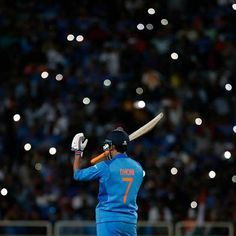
[{"x": 118, "y": 190}]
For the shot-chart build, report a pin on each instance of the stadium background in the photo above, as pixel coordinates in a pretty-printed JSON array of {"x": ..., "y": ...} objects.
[{"x": 84, "y": 66}]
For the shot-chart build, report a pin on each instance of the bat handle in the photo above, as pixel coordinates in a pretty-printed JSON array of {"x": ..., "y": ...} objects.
[{"x": 99, "y": 157}]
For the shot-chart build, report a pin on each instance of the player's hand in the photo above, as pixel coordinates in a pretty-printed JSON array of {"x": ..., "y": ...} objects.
[{"x": 79, "y": 142}]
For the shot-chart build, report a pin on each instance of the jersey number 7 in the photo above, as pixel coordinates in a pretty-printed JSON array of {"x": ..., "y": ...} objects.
[{"x": 130, "y": 181}]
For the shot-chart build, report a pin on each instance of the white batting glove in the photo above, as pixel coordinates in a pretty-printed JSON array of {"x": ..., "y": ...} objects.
[{"x": 79, "y": 142}]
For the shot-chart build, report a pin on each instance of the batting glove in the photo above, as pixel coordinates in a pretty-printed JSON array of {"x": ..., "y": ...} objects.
[{"x": 79, "y": 142}]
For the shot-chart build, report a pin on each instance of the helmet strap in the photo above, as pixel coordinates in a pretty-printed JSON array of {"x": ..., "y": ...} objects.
[{"x": 109, "y": 157}]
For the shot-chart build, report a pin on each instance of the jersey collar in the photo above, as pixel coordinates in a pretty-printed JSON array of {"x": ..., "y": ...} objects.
[{"x": 120, "y": 155}]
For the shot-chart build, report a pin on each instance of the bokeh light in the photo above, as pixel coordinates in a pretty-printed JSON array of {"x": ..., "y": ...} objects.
[
  {"x": 227, "y": 154},
  {"x": 174, "y": 56},
  {"x": 59, "y": 77},
  {"x": 86, "y": 101},
  {"x": 174, "y": 171},
  {"x": 234, "y": 129},
  {"x": 4, "y": 192},
  {"x": 70, "y": 37},
  {"x": 198, "y": 121},
  {"x": 16, "y": 117},
  {"x": 107, "y": 82},
  {"x": 139, "y": 104},
  {"x": 228, "y": 87},
  {"x": 164, "y": 22},
  {"x": 139, "y": 90},
  {"x": 212, "y": 174},
  {"x": 38, "y": 166},
  {"x": 234, "y": 6},
  {"x": 79, "y": 38},
  {"x": 193, "y": 204},
  {"x": 234, "y": 178},
  {"x": 151, "y": 11},
  {"x": 140, "y": 26},
  {"x": 44, "y": 74},
  {"x": 27, "y": 147},
  {"x": 149, "y": 26},
  {"x": 52, "y": 151}
]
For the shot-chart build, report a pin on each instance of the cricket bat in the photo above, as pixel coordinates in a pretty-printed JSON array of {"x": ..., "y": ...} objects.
[{"x": 136, "y": 134}]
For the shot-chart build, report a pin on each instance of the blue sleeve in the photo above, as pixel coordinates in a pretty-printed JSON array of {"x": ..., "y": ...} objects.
[{"x": 91, "y": 173}]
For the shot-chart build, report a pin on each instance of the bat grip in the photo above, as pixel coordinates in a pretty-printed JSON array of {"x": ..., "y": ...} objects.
[{"x": 99, "y": 157}]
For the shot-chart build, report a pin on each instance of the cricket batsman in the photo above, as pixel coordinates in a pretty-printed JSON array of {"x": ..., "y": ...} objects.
[{"x": 120, "y": 178}]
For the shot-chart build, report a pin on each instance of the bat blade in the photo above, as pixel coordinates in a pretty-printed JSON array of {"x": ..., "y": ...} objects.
[
  {"x": 147, "y": 127},
  {"x": 141, "y": 131}
]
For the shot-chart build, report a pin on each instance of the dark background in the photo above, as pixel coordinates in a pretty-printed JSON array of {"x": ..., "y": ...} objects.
[{"x": 33, "y": 39}]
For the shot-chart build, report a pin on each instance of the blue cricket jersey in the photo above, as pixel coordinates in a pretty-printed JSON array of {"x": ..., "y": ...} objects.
[{"x": 119, "y": 183}]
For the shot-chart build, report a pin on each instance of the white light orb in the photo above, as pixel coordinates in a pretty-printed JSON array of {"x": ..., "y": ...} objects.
[
  {"x": 198, "y": 121},
  {"x": 227, "y": 154},
  {"x": 59, "y": 77},
  {"x": 107, "y": 82},
  {"x": 149, "y": 26},
  {"x": 79, "y": 38},
  {"x": 228, "y": 87},
  {"x": 38, "y": 166},
  {"x": 234, "y": 178},
  {"x": 151, "y": 11},
  {"x": 193, "y": 204},
  {"x": 234, "y": 6},
  {"x": 52, "y": 151},
  {"x": 44, "y": 74},
  {"x": 140, "y": 26},
  {"x": 86, "y": 101},
  {"x": 212, "y": 174},
  {"x": 139, "y": 104},
  {"x": 27, "y": 147},
  {"x": 70, "y": 37},
  {"x": 174, "y": 56},
  {"x": 174, "y": 171},
  {"x": 4, "y": 191},
  {"x": 164, "y": 22},
  {"x": 139, "y": 90},
  {"x": 234, "y": 128},
  {"x": 16, "y": 117}
]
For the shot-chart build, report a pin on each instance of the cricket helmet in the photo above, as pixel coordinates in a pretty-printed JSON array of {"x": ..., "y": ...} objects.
[{"x": 119, "y": 138}]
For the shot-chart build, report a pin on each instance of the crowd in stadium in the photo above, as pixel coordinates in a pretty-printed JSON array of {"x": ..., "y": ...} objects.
[{"x": 92, "y": 85}]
